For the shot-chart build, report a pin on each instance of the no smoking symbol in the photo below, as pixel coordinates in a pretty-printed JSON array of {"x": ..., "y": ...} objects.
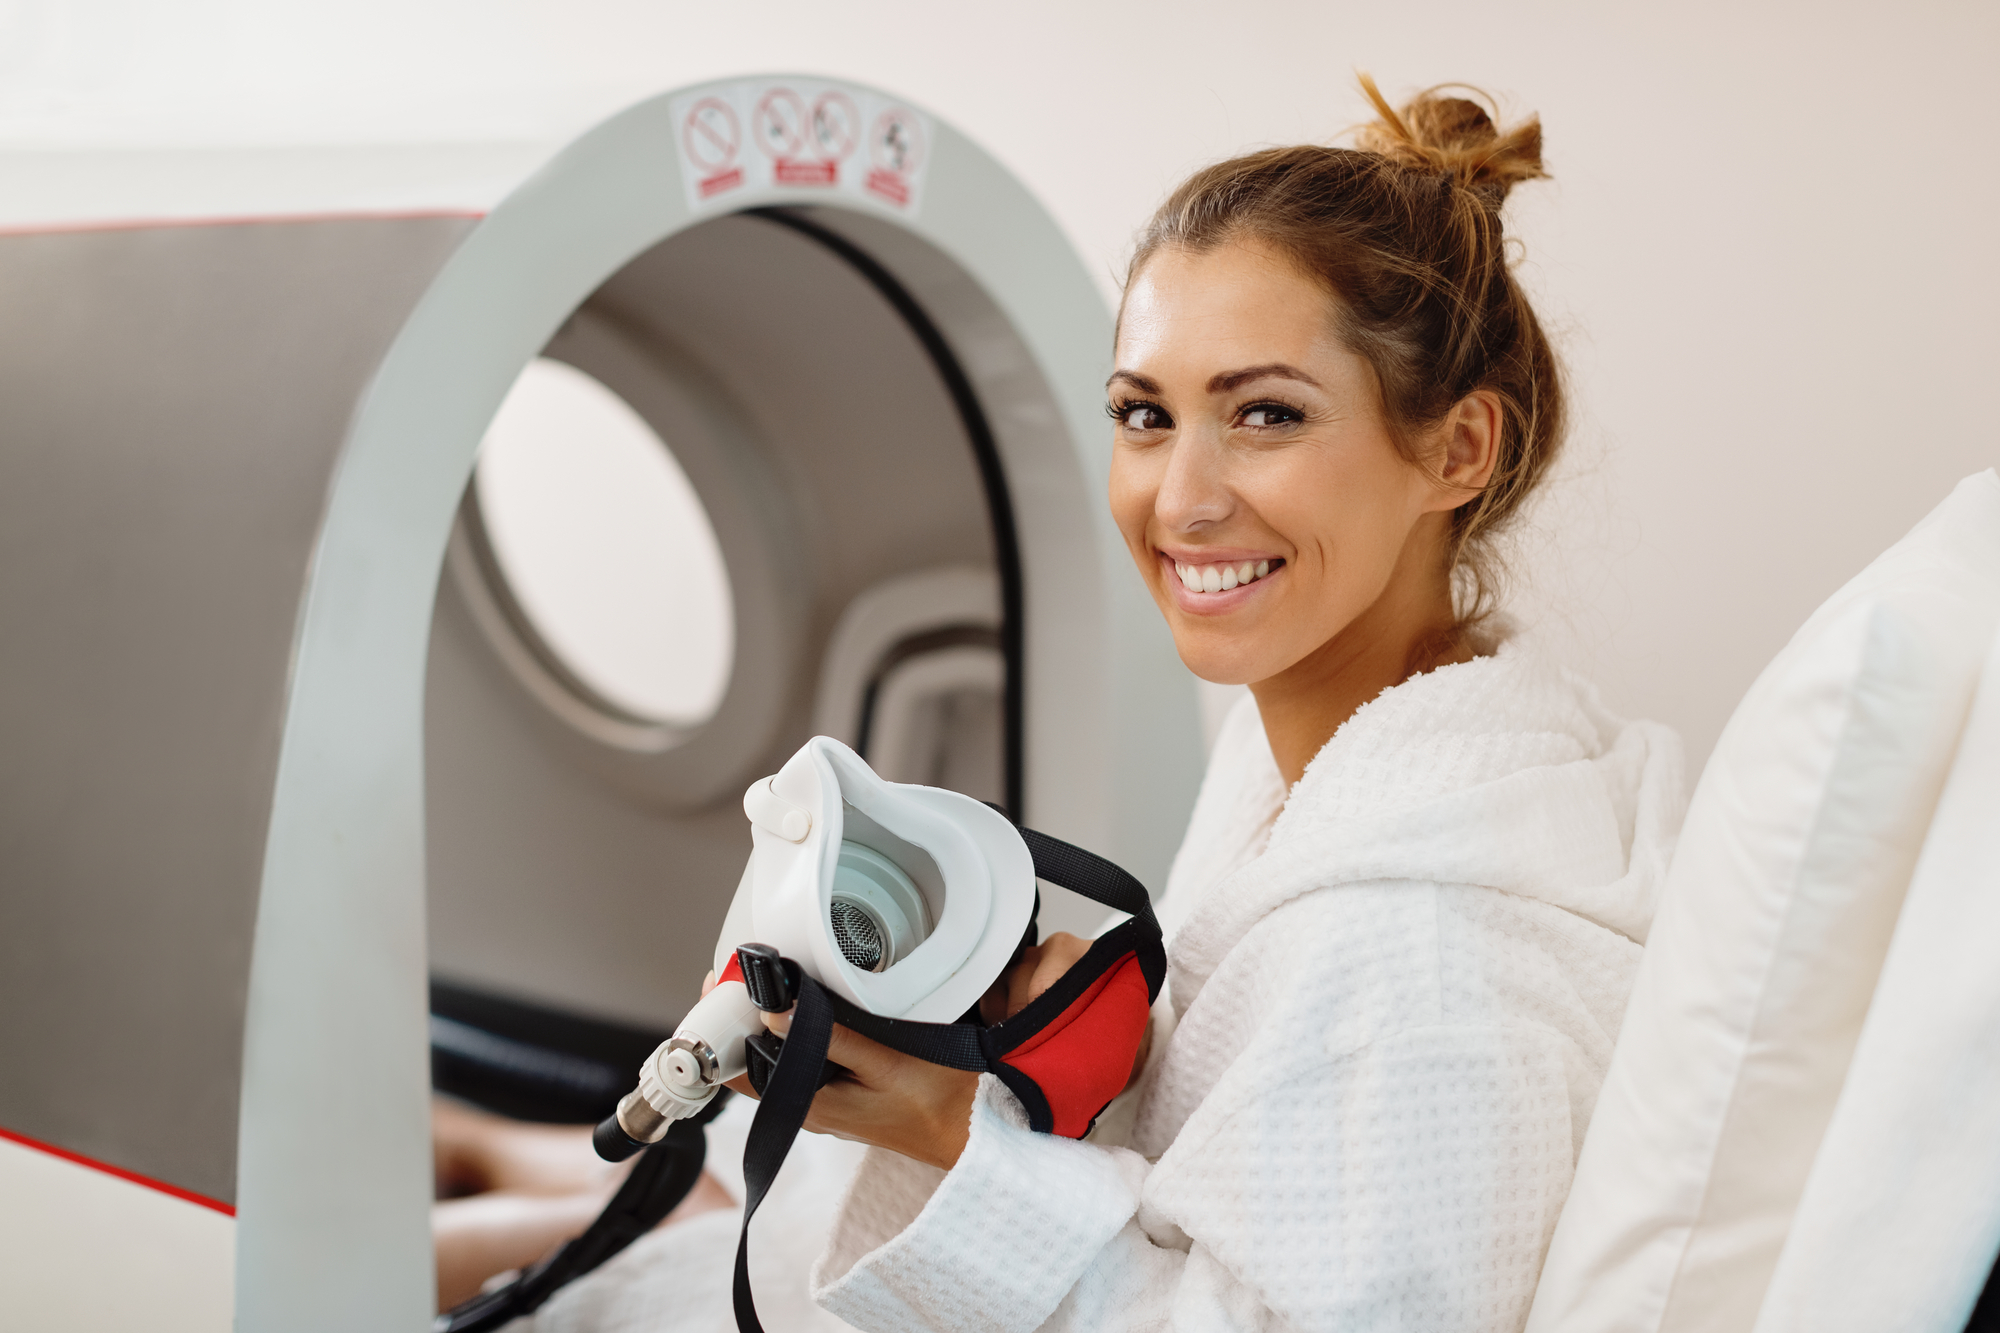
[{"x": 712, "y": 135}]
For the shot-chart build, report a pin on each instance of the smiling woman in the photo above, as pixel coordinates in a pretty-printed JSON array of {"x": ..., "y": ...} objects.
[
  {"x": 1328, "y": 373},
  {"x": 1412, "y": 896},
  {"x": 1293, "y": 467}
]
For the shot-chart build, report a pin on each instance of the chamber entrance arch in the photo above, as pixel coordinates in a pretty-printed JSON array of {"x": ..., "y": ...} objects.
[{"x": 891, "y": 411}]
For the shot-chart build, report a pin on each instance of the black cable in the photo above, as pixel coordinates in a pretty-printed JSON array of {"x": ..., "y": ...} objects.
[
  {"x": 556, "y": 1076},
  {"x": 658, "y": 1182}
]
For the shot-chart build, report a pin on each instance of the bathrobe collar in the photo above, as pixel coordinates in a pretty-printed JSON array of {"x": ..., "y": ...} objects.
[{"x": 1504, "y": 772}]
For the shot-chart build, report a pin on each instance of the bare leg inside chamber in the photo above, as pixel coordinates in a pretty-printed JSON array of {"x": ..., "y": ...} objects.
[{"x": 510, "y": 1192}]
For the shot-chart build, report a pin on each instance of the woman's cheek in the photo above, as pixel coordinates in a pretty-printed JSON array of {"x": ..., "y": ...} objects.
[{"x": 1131, "y": 497}]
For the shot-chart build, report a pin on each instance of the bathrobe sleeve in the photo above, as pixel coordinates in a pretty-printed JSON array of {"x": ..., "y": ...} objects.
[{"x": 1411, "y": 1182}]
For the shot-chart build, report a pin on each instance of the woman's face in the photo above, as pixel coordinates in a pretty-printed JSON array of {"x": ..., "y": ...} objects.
[{"x": 1253, "y": 474}]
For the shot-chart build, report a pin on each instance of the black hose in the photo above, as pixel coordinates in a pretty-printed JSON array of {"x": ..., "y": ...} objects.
[
  {"x": 659, "y": 1181},
  {"x": 555, "y": 1075}
]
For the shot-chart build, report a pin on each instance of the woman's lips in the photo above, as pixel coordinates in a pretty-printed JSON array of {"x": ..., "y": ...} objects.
[{"x": 1210, "y": 586}]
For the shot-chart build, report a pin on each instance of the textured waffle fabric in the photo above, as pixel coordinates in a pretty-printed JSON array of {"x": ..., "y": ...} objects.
[{"x": 1391, "y": 999}]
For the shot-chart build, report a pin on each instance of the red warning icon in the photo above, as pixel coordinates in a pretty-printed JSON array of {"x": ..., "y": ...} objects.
[
  {"x": 781, "y": 124},
  {"x": 806, "y": 146},
  {"x": 836, "y": 126},
  {"x": 713, "y": 140},
  {"x": 895, "y": 151}
]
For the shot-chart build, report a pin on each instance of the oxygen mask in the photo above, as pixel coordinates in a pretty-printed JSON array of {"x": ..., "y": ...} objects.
[
  {"x": 891, "y": 909},
  {"x": 905, "y": 901}
]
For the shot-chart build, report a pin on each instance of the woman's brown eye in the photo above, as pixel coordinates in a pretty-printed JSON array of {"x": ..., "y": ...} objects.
[
  {"x": 1269, "y": 414},
  {"x": 1140, "y": 417}
]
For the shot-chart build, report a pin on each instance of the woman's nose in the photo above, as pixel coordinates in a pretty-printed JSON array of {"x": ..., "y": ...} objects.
[{"x": 1194, "y": 492}]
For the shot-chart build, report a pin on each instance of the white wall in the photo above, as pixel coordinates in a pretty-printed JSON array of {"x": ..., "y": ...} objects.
[{"x": 1766, "y": 250}]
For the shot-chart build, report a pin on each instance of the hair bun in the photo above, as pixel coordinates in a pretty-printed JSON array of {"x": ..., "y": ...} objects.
[{"x": 1454, "y": 136}]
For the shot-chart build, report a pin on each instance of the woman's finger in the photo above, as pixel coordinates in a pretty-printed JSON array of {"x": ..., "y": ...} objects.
[
  {"x": 1040, "y": 967},
  {"x": 868, "y": 1060},
  {"x": 998, "y": 1003},
  {"x": 1060, "y": 952},
  {"x": 894, "y": 1101},
  {"x": 1018, "y": 979},
  {"x": 846, "y": 1048}
]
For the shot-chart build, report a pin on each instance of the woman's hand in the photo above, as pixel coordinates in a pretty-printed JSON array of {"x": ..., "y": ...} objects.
[
  {"x": 908, "y": 1105},
  {"x": 888, "y": 1099},
  {"x": 1040, "y": 967}
]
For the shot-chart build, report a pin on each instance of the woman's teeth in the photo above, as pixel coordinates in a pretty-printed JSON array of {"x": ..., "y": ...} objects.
[{"x": 1221, "y": 578}]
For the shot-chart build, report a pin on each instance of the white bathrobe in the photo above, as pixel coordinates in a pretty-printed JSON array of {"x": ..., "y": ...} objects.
[{"x": 1391, "y": 999}]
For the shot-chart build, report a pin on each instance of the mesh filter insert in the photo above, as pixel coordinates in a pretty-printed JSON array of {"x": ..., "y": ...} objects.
[{"x": 857, "y": 934}]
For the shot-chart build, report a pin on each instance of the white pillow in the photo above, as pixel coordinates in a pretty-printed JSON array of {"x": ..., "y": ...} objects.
[
  {"x": 1776, "y": 913},
  {"x": 1901, "y": 1215}
]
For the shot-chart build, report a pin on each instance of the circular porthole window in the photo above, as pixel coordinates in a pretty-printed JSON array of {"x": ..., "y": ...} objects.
[{"x": 604, "y": 555}]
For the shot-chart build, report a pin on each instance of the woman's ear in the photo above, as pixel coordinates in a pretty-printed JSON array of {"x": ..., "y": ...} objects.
[{"x": 1471, "y": 447}]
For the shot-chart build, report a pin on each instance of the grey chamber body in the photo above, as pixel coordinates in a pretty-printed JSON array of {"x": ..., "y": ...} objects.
[{"x": 268, "y": 760}]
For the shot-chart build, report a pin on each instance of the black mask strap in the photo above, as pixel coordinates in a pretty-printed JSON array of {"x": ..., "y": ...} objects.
[{"x": 788, "y": 1096}]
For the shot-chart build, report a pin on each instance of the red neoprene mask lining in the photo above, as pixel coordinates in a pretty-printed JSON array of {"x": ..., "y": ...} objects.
[{"x": 1083, "y": 1058}]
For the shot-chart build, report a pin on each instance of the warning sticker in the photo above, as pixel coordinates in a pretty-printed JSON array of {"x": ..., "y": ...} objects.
[
  {"x": 712, "y": 144},
  {"x": 753, "y": 134},
  {"x": 895, "y": 155}
]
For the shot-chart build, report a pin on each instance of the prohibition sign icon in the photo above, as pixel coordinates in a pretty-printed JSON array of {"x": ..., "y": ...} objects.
[
  {"x": 781, "y": 123},
  {"x": 836, "y": 126},
  {"x": 711, "y": 135},
  {"x": 896, "y": 147}
]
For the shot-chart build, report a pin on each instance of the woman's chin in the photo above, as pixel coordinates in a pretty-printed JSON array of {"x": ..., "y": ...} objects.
[
  {"x": 1230, "y": 636},
  {"x": 1217, "y": 658}
]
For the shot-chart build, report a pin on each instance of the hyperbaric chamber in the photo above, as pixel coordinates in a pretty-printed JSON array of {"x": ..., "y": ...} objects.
[{"x": 270, "y": 652}]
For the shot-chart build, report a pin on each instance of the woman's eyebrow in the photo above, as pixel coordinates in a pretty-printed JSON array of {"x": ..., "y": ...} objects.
[
  {"x": 1223, "y": 383},
  {"x": 1136, "y": 380},
  {"x": 1276, "y": 370}
]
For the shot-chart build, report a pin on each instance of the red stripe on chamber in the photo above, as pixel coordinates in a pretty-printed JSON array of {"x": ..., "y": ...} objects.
[{"x": 226, "y": 1209}]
